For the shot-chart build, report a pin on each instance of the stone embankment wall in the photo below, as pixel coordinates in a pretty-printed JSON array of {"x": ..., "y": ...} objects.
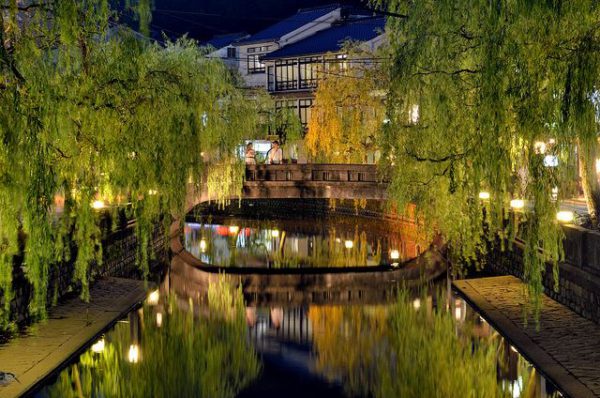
[
  {"x": 579, "y": 274},
  {"x": 119, "y": 259}
]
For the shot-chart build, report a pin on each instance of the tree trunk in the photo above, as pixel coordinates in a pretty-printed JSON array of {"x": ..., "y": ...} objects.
[{"x": 589, "y": 178}]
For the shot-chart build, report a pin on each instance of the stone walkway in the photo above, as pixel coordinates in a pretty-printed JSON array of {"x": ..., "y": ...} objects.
[
  {"x": 69, "y": 327},
  {"x": 566, "y": 348}
]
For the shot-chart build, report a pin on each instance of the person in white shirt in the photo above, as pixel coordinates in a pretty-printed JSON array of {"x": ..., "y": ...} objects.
[
  {"x": 250, "y": 154},
  {"x": 275, "y": 154}
]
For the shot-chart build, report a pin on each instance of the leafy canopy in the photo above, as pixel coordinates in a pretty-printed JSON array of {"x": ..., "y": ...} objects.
[
  {"x": 491, "y": 80},
  {"x": 90, "y": 110}
]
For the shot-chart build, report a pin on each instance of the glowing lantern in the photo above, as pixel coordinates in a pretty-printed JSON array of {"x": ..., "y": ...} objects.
[
  {"x": 565, "y": 216},
  {"x": 517, "y": 204},
  {"x": 483, "y": 195},
  {"x": 98, "y": 204}
]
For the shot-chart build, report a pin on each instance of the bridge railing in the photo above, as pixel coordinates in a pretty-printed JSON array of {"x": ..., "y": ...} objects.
[{"x": 313, "y": 172}]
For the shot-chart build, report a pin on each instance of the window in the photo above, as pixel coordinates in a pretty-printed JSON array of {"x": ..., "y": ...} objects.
[
  {"x": 254, "y": 63},
  {"x": 231, "y": 53},
  {"x": 308, "y": 71},
  {"x": 286, "y": 75},
  {"x": 305, "y": 111}
]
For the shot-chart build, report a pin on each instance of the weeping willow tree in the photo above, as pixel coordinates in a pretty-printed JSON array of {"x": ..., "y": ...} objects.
[
  {"x": 92, "y": 113},
  {"x": 348, "y": 109},
  {"x": 481, "y": 93}
]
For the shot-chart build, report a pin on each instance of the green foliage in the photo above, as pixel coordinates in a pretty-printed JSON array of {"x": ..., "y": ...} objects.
[
  {"x": 490, "y": 79},
  {"x": 90, "y": 111},
  {"x": 187, "y": 356}
]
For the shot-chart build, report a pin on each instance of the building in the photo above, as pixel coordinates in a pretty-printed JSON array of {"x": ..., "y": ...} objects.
[
  {"x": 305, "y": 23},
  {"x": 286, "y": 58},
  {"x": 224, "y": 47},
  {"x": 292, "y": 71}
]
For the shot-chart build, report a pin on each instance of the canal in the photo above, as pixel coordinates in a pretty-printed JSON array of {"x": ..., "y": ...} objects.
[{"x": 403, "y": 338}]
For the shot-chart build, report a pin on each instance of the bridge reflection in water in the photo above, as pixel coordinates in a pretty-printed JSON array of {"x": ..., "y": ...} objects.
[{"x": 324, "y": 340}]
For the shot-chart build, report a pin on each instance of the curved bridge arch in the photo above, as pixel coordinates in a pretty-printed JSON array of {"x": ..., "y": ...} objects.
[{"x": 306, "y": 181}]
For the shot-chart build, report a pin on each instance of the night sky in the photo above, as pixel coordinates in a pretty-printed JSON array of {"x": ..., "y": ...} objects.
[{"x": 203, "y": 19}]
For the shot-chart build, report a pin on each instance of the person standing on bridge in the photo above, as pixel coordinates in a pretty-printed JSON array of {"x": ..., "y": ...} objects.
[
  {"x": 275, "y": 154},
  {"x": 250, "y": 156}
]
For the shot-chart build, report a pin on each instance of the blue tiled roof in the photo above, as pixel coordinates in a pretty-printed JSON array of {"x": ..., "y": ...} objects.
[
  {"x": 332, "y": 39},
  {"x": 225, "y": 40},
  {"x": 280, "y": 29}
]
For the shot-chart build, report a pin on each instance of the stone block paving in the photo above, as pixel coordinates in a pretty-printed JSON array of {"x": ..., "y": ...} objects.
[
  {"x": 566, "y": 348},
  {"x": 70, "y": 326}
]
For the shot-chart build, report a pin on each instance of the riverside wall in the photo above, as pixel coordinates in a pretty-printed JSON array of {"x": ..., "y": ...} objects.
[{"x": 579, "y": 273}]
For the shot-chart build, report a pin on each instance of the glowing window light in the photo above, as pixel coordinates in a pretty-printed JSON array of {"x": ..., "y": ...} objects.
[
  {"x": 98, "y": 204},
  {"x": 153, "y": 297},
  {"x": 565, "y": 216},
  {"x": 133, "y": 355},
  {"x": 394, "y": 254},
  {"x": 275, "y": 233},
  {"x": 517, "y": 204},
  {"x": 98, "y": 346},
  {"x": 159, "y": 319},
  {"x": 203, "y": 245},
  {"x": 348, "y": 244},
  {"x": 483, "y": 195},
  {"x": 234, "y": 229}
]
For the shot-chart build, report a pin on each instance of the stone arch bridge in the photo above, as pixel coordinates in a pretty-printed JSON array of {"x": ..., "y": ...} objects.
[{"x": 307, "y": 181}]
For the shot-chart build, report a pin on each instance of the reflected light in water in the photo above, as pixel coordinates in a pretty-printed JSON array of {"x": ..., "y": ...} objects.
[
  {"x": 203, "y": 245},
  {"x": 153, "y": 297},
  {"x": 98, "y": 346},
  {"x": 234, "y": 229},
  {"x": 458, "y": 313},
  {"x": 275, "y": 233},
  {"x": 159, "y": 319},
  {"x": 416, "y": 303},
  {"x": 133, "y": 355},
  {"x": 349, "y": 244}
]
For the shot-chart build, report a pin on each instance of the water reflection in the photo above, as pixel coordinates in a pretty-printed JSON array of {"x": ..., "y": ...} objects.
[
  {"x": 416, "y": 346},
  {"x": 211, "y": 345},
  {"x": 164, "y": 350},
  {"x": 242, "y": 242}
]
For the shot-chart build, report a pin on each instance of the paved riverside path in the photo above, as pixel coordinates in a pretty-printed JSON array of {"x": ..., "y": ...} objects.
[
  {"x": 69, "y": 327},
  {"x": 567, "y": 347}
]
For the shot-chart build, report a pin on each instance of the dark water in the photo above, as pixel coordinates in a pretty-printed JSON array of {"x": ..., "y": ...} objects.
[{"x": 214, "y": 342}]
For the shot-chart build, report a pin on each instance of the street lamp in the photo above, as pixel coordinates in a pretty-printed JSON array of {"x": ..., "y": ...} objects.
[
  {"x": 565, "y": 216},
  {"x": 517, "y": 204}
]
